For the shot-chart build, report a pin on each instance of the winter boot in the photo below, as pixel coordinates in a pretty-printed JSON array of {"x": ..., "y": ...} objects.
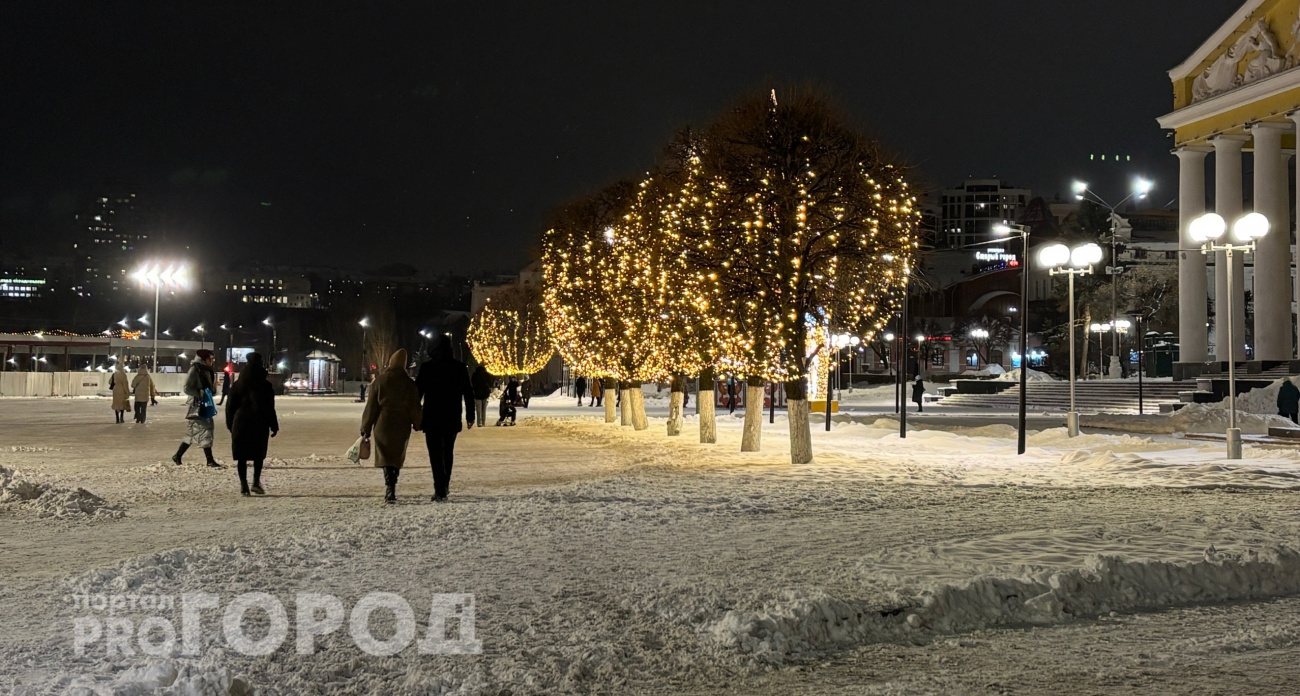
[
  {"x": 390, "y": 485},
  {"x": 212, "y": 461},
  {"x": 242, "y": 468},
  {"x": 257, "y": 479},
  {"x": 176, "y": 458}
]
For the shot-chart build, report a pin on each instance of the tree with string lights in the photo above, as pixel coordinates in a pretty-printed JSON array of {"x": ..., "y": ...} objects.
[
  {"x": 812, "y": 228},
  {"x": 509, "y": 336}
]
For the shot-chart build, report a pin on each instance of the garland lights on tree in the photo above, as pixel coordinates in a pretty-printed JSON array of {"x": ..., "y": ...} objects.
[
  {"x": 742, "y": 251},
  {"x": 509, "y": 336}
]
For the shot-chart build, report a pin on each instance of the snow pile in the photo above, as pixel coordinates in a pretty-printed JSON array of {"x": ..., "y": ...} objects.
[
  {"x": 1210, "y": 418},
  {"x": 1032, "y": 376},
  {"x": 27, "y": 448},
  {"x": 53, "y": 501},
  {"x": 990, "y": 371},
  {"x": 801, "y": 623},
  {"x": 171, "y": 677}
]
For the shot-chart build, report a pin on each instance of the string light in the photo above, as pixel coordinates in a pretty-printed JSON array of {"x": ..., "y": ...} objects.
[{"x": 509, "y": 335}]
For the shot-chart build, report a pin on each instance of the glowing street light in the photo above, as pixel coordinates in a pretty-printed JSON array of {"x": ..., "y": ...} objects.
[
  {"x": 1208, "y": 229},
  {"x": 270, "y": 324},
  {"x": 156, "y": 275},
  {"x": 1061, "y": 260},
  {"x": 365, "y": 366}
]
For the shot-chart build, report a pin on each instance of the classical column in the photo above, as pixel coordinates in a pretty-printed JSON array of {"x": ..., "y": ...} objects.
[
  {"x": 1227, "y": 203},
  {"x": 1193, "y": 337},
  {"x": 1272, "y": 258}
]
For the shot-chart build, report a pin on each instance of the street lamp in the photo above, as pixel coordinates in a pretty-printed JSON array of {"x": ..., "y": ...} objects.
[
  {"x": 365, "y": 367},
  {"x": 1061, "y": 260},
  {"x": 979, "y": 335},
  {"x": 157, "y": 276},
  {"x": 270, "y": 324},
  {"x": 200, "y": 331},
  {"x": 1208, "y": 229},
  {"x": 1023, "y": 231},
  {"x": 1141, "y": 187}
]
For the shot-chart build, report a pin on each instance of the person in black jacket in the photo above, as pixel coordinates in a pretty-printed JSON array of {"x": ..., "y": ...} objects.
[
  {"x": 251, "y": 420},
  {"x": 918, "y": 394},
  {"x": 199, "y": 385},
  {"x": 481, "y": 382},
  {"x": 580, "y": 388},
  {"x": 509, "y": 398},
  {"x": 443, "y": 383}
]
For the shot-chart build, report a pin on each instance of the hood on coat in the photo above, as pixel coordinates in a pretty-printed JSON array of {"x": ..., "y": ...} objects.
[{"x": 398, "y": 359}]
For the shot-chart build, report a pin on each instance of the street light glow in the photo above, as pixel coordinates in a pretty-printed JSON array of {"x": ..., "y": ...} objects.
[
  {"x": 1085, "y": 255},
  {"x": 1250, "y": 227},
  {"x": 1208, "y": 227}
]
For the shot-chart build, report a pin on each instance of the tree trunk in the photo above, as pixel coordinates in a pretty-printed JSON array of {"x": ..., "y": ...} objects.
[
  {"x": 610, "y": 388},
  {"x": 704, "y": 401},
  {"x": 797, "y": 407},
  {"x": 639, "y": 421},
  {"x": 675, "y": 416},
  {"x": 625, "y": 404},
  {"x": 753, "y": 434}
]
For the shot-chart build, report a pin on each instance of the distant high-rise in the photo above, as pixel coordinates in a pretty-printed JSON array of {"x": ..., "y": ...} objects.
[
  {"x": 114, "y": 226},
  {"x": 967, "y": 214}
]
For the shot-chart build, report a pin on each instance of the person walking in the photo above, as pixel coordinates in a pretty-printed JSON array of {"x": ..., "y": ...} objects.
[
  {"x": 580, "y": 388},
  {"x": 597, "y": 391},
  {"x": 198, "y": 387},
  {"x": 1288, "y": 400},
  {"x": 121, "y": 389},
  {"x": 443, "y": 384},
  {"x": 509, "y": 399},
  {"x": 225, "y": 385},
  {"x": 251, "y": 420},
  {"x": 731, "y": 394},
  {"x": 142, "y": 387},
  {"x": 481, "y": 382},
  {"x": 392, "y": 412},
  {"x": 918, "y": 393},
  {"x": 525, "y": 392}
]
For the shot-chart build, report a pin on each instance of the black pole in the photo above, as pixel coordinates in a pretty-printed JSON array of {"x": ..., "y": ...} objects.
[
  {"x": 903, "y": 341},
  {"x": 1141, "y": 340},
  {"x": 771, "y": 412},
  {"x": 1024, "y": 335}
]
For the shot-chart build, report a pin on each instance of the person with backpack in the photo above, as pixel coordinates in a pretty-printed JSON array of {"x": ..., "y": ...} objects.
[{"x": 252, "y": 421}]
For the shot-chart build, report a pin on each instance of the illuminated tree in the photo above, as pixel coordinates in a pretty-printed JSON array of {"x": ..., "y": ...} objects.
[
  {"x": 812, "y": 227},
  {"x": 509, "y": 336}
]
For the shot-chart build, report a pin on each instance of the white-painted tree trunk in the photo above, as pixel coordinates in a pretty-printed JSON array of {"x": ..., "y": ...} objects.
[
  {"x": 610, "y": 415},
  {"x": 800, "y": 431},
  {"x": 639, "y": 420},
  {"x": 675, "y": 415},
  {"x": 625, "y": 406},
  {"x": 753, "y": 434},
  {"x": 708, "y": 419}
]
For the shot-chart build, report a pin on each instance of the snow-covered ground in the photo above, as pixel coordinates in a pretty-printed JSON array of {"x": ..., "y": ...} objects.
[{"x": 604, "y": 560}]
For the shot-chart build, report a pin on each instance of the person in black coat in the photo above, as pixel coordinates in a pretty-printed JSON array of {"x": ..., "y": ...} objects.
[
  {"x": 580, "y": 388},
  {"x": 251, "y": 420},
  {"x": 918, "y": 393},
  {"x": 443, "y": 384},
  {"x": 1288, "y": 400},
  {"x": 509, "y": 399},
  {"x": 481, "y": 382}
]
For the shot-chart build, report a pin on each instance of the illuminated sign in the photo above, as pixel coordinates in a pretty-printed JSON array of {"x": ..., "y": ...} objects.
[{"x": 994, "y": 255}]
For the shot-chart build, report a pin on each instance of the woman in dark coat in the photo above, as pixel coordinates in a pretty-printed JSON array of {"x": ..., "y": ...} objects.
[
  {"x": 251, "y": 420},
  {"x": 918, "y": 393}
]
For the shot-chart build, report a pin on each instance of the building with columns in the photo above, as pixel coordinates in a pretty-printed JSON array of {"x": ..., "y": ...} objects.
[{"x": 1238, "y": 93}]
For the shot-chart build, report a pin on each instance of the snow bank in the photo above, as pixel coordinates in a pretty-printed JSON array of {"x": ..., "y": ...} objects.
[
  {"x": 1032, "y": 376},
  {"x": 53, "y": 501},
  {"x": 800, "y": 623},
  {"x": 170, "y": 677}
]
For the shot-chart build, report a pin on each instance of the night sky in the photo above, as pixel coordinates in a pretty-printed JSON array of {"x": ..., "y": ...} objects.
[{"x": 439, "y": 133}]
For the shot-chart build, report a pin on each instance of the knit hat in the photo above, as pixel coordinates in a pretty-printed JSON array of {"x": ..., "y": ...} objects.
[{"x": 203, "y": 353}]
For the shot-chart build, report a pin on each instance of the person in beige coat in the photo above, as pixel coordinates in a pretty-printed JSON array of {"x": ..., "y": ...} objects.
[
  {"x": 392, "y": 411},
  {"x": 143, "y": 389},
  {"x": 121, "y": 388}
]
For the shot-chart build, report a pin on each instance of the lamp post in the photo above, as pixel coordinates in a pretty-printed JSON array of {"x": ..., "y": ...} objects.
[
  {"x": 1023, "y": 231},
  {"x": 157, "y": 276},
  {"x": 889, "y": 364},
  {"x": 230, "y": 340},
  {"x": 1080, "y": 260},
  {"x": 1208, "y": 229},
  {"x": 271, "y": 325},
  {"x": 365, "y": 367},
  {"x": 1141, "y": 187},
  {"x": 200, "y": 331}
]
